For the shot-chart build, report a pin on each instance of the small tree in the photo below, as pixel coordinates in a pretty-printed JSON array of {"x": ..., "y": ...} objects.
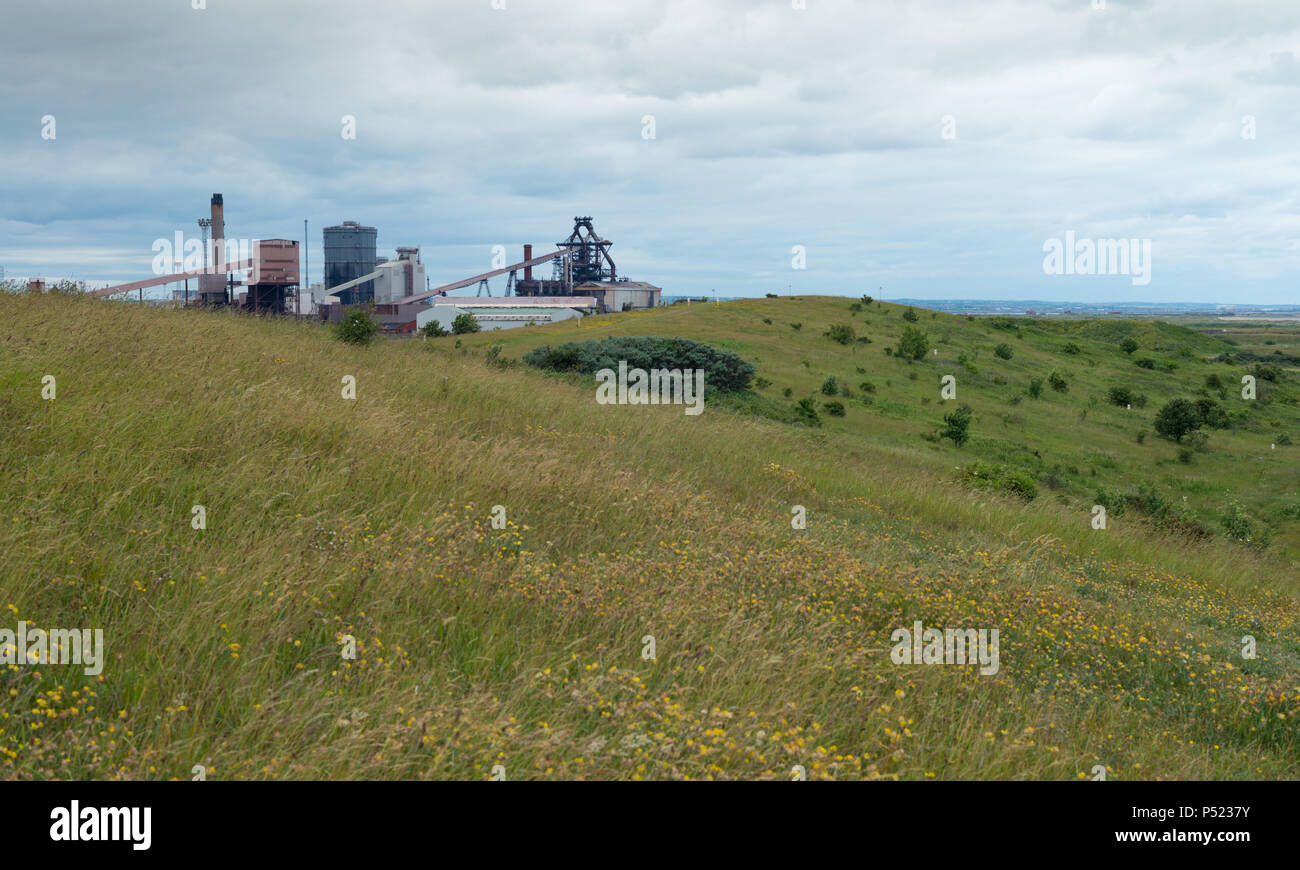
[
  {"x": 1177, "y": 418},
  {"x": 841, "y": 333},
  {"x": 1003, "y": 351},
  {"x": 1128, "y": 345},
  {"x": 357, "y": 327},
  {"x": 830, "y": 386},
  {"x": 433, "y": 329},
  {"x": 465, "y": 323},
  {"x": 956, "y": 425},
  {"x": 1036, "y": 387},
  {"x": 806, "y": 411},
  {"x": 1120, "y": 396},
  {"x": 913, "y": 345}
]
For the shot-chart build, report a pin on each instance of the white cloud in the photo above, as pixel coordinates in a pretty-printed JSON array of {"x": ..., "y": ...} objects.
[{"x": 774, "y": 127}]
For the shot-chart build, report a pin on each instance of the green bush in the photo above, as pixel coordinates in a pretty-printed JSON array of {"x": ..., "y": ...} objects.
[
  {"x": 1120, "y": 396},
  {"x": 465, "y": 323},
  {"x": 835, "y": 409},
  {"x": 1003, "y": 351},
  {"x": 1149, "y": 502},
  {"x": 723, "y": 371},
  {"x": 956, "y": 425},
  {"x": 913, "y": 344},
  {"x": 830, "y": 386},
  {"x": 910, "y": 315},
  {"x": 986, "y": 475},
  {"x": 494, "y": 358},
  {"x": 1036, "y": 387},
  {"x": 1237, "y": 523},
  {"x": 867, "y": 387},
  {"x": 1145, "y": 363},
  {"x": 1072, "y": 349},
  {"x": 807, "y": 412},
  {"x": 796, "y": 326},
  {"x": 1212, "y": 414},
  {"x": 433, "y": 329},
  {"x": 357, "y": 327},
  {"x": 1111, "y": 500},
  {"x": 841, "y": 333},
  {"x": 1128, "y": 345},
  {"x": 1058, "y": 383},
  {"x": 1177, "y": 418},
  {"x": 1267, "y": 372}
]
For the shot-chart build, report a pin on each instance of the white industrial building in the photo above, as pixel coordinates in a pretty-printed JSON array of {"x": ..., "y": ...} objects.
[
  {"x": 616, "y": 296},
  {"x": 506, "y": 312},
  {"x": 394, "y": 280}
]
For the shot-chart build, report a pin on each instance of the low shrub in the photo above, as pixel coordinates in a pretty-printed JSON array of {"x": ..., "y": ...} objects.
[
  {"x": 956, "y": 425},
  {"x": 465, "y": 323},
  {"x": 433, "y": 329},
  {"x": 807, "y": 412},
  {"x": 723, "y": 370},
  {"x": 357, "y": 327},
  {"x": 841, "y": 333},
  {"x": 1000, "y": 478}
]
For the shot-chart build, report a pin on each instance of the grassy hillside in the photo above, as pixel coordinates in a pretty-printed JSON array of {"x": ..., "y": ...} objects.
[
  {"x": 523, "y": 646},
  {"x": 1081, "y": 448}
]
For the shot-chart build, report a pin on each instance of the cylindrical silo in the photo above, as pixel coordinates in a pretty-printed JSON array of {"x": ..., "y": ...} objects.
[{"x": 349, "y": 254}]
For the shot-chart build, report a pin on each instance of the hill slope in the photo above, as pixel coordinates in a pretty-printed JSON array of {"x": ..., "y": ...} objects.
[
  {"x": 524, "y": 646},
  {"x": 1080, "y": 446}
]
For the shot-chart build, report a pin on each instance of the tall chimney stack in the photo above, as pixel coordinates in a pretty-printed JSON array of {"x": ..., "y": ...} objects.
[
  {"x": 218, "y": 233},
  {"x": 528, "y": 255}
]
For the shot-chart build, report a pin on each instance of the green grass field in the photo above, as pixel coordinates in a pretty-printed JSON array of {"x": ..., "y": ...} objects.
[
  {"x": 1077, "y": 444},
  {"x": 525, "y": 647}
]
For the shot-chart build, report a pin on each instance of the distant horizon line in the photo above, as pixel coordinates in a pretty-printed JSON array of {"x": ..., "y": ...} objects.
[{"x": 1098, "y": 304}]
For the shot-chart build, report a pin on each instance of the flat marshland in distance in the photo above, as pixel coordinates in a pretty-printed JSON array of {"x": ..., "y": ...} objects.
[{"x": 522, "y": 647}]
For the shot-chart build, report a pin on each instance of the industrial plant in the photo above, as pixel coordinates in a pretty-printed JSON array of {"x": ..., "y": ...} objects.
[{"x": 265, "y": 277}]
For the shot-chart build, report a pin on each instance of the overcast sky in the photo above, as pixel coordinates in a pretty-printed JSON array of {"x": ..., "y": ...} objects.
[{"x": 927, "y": 148}]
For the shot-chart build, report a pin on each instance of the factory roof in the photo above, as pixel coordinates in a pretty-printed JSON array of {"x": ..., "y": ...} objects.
[
  {"x": 514, "y": 301},
  {"x": 617, "y": 285}
]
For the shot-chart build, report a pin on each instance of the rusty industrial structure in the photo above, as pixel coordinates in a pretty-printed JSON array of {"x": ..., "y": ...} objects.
[
  {"x": 271, "y": 271},
  {"x": 582, "y": 267},
  {"x": 584, "y": 279}
]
